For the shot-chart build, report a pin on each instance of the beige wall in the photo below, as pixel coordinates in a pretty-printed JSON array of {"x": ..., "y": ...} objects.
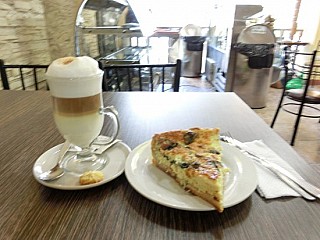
[
  {"x": 88, "y": 44},
  {"x": 309, "y": 20},
  {"x": 36, "y": 31},
  {"x": 60, "y": 18},
  {"x": 23, "y": 35}
]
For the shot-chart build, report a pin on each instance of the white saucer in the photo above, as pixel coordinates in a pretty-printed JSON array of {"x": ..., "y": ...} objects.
[{"x": 70, "y": 181}]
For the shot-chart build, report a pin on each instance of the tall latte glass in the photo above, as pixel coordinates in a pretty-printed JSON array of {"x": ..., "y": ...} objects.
[{"x": 75, "y": 86}]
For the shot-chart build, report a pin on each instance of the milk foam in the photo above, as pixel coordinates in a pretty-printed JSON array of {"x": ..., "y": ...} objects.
[{"x": 73, "y": 77}]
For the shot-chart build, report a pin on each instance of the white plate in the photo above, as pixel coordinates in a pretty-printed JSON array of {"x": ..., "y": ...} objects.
[
  {"x": 157, "y": 186},
  {"x": 70, "y": 181}
]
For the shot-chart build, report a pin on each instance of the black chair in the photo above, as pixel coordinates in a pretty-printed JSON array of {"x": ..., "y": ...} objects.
[
  {"x": 301, "y": 66},
  {"x": 22, "y": 76},
  {"x": 142, "y": 77}
]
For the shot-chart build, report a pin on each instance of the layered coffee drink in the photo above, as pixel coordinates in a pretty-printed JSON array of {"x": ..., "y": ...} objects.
[
  {"x": 75, "y": 86},
  {"x": 78, "y": 119}
]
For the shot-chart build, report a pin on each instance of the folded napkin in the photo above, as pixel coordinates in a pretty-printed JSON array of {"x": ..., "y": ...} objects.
[{"x": 269, "y": 185}]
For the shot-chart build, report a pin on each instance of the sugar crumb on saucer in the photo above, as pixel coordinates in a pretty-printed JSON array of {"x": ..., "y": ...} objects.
[{"x": 91, "y": 177}]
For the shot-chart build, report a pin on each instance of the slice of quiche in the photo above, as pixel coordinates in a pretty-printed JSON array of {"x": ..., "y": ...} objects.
[{"x": 193, "y": 158}]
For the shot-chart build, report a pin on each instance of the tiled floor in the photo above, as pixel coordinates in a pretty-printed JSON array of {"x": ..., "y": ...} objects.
[
  {"x": 307, "y": 142},
  {"x": 195, "y": 85}
]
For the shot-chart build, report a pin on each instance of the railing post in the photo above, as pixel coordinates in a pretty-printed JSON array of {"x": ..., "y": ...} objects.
[{"x": 4, "y": 76}]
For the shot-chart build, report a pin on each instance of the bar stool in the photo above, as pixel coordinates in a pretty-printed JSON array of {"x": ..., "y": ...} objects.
[{"x": 303, "y": 66}]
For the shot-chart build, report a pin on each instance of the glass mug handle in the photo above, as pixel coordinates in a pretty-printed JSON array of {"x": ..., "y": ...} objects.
[{"x": 111, "y": 112}]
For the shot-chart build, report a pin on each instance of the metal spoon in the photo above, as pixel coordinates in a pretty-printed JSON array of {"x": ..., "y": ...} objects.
[{"x": 56, "y": 171}]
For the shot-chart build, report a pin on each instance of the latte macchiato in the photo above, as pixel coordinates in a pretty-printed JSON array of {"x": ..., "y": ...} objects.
[{"x": 75, "y": 86}]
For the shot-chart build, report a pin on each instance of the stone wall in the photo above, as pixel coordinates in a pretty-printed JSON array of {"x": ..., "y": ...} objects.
[
  {"x": 89, "y": 42},
  {"x": 23, "y": 38},
  {"x": 36, "y": 32},
  {"x": 23, "y": 34},
  {"x": 60, "y": 16}
]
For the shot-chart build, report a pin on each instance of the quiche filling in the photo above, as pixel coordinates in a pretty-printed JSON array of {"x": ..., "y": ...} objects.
[{"x": 193, "y": 158}]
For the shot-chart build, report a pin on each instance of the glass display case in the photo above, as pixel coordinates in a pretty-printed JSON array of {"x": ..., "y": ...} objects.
[
  {"x": 117, "y": 32},
  {"x": 104, "y": 27}
]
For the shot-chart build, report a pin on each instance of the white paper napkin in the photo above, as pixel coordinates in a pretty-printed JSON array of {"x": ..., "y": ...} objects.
[{"x": 269, "y": 185}]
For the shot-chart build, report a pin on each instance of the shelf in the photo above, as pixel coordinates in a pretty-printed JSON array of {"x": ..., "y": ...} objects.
[{"x": 113, "y": 30}]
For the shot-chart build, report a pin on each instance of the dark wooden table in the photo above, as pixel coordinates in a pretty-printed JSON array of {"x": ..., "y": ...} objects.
[{"x": 115, "y": 210}]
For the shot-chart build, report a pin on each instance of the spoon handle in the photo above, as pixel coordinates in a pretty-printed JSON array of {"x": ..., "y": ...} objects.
[
  {"x": 101, "y": 149},
  {"x": 63, "y": 150},
  {"x": 56, "y": 171}
]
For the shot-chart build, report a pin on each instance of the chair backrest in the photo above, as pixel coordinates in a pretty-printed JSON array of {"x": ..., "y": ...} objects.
[
  {"x": 142, "y": 77},
  {"x": 304, "y": 70},
  {"x": 23, "y": 76},
  {"x": 299, "y": 92}
]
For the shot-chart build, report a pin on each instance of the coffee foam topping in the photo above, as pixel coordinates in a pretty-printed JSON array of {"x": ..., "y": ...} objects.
[
  {"x": 73, "y": 67},
  {"x": 72, "y": 77}
]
